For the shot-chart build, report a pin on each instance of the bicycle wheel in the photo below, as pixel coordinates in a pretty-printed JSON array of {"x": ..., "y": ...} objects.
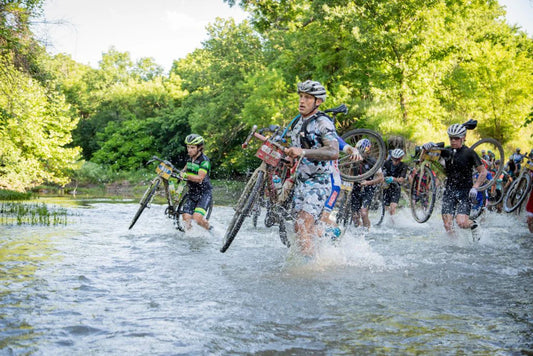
[
  {"x": 422, "y": 195},
  {"x": 376, "y": 210},
  {"x": 343, "y": 209},
  {"x": 517, "y": 192},
  {"x": 376, "y": 154},
  {"x": 246, "y": 201},
  {"x": 146, "y": 200},
  {"x": 495, "y": 196},
  {"x": 494, "y": 151}
]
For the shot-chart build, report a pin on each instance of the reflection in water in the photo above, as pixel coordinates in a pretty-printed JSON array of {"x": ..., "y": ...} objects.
[{"x": 96, "y": 287}]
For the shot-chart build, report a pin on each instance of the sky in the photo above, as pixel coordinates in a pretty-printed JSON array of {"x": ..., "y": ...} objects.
[
  {"x": 165, "y": 30},
  {"x": 162, "y": 29}
]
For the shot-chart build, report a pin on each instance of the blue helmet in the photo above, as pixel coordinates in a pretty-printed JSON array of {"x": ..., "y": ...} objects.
[{"x": 363, "y": 145}]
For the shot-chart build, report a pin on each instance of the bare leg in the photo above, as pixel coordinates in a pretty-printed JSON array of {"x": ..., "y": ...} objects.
[
  {"x": 201, "y": 220},
  {"x": 305, "y": 228},
  {"x": 448, "y": 224}
]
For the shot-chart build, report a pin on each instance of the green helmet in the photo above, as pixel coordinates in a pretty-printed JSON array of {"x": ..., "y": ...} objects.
[{"x": 194, "y": 139}]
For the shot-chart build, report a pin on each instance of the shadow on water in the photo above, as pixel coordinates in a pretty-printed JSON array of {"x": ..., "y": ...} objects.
[{"x": 93, "y": 286}]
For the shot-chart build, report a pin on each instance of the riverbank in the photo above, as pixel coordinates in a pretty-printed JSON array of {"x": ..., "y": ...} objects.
[{"x": 225, "y": 192}]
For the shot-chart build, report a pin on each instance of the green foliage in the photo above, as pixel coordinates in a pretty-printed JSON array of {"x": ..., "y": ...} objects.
[
  {"x": 35, "y": 128},
  {"x": 403, "y": 67}
]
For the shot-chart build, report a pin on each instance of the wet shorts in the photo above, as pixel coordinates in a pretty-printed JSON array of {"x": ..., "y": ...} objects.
[
  {"x": 362, "y": 196},
  {"x": 311, "y": 194},
  {"x": 392, "y": 194},
  {"x": 197, "y": 203},
  {"x": 456, "y": 201}
]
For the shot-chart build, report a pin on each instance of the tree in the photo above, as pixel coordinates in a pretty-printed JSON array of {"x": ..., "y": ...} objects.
[{"x": 35, "y": 129}]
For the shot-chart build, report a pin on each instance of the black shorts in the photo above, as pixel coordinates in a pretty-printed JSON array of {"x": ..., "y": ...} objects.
[
  {"x": 392, "y": 194},
  {"x": 198, "y": 203},
  {"x": 456, "y": 201},
  {"x": 362, "y": 197}
]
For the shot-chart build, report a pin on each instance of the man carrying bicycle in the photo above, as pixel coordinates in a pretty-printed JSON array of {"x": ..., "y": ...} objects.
[
  {"x": 313, "y": 137},
  {"x": 460, "y": 191},
  {"x": 196, "y": 172},
  {"x": 395, "y": 172},
  {"x": 363, "y": 192}
]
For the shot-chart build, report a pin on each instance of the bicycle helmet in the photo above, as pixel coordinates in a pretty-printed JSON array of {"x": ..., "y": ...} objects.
[
  {"x": 457, "y": 130},
  {"x": 194, "y": 139},
  {"x": 363, "y": 145},
  {"x": 313, "y": 88},
  {"x": 397, "y": 153},
  {"x": 518, "y": 150}
]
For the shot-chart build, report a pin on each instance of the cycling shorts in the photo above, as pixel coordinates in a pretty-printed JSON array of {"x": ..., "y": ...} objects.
[
  {"x": 456, "y": 201},
  {"x": 335, "y": 178},
  {"x": 392, "y": 194},
  {"x": 362, "y": 197},
  {"x": 310, "y": 195},
  {"x": 198, "y": 203}
]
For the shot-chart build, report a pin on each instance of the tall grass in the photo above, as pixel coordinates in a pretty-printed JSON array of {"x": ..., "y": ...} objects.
[{"x": 18, "y": 213}]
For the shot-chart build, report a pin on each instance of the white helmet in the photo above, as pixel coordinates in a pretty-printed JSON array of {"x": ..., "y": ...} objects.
[
  {"x": 457, "y": 130},
  {"x": 313, "y": 88},
  {"x": 397, "y": 153}
]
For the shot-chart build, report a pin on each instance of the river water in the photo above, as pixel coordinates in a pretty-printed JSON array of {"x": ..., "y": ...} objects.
[{"x": 93, "y": 287}]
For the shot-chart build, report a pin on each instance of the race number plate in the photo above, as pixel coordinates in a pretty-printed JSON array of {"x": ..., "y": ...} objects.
[
  {"x": 529, "y": 165},
  {"x": 431, "y": 155},
  {"x": 269, "y": 154},
  {"x": 163, "y": 170}
]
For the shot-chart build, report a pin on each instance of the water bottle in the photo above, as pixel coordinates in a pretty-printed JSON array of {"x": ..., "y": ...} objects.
[
  {"x": 171, "y": 188},
  {"x": 179, "y": 190},
  {"x": 277, "y": 182}
]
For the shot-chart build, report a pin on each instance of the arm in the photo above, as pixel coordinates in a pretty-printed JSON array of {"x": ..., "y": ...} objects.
[
  {"x": 328, "y": 152},
  {"x": 197, "y": 178},
  {"x": 481, "y": 177},
  {"x": 377, "y": 179}
]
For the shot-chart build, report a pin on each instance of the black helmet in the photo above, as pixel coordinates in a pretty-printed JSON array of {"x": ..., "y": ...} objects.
[{"x": 194, "y": 139}]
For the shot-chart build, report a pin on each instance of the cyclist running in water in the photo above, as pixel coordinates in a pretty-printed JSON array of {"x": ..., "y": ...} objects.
[
  {"x": 395, "y": 172},
  {"x": 517, "y": 158},
  {"x": 363, "y": 192},
  {"x": 459, "y": 161},
  {"x": 196, "y": 172},
  {"x": 314, "y": 138}
]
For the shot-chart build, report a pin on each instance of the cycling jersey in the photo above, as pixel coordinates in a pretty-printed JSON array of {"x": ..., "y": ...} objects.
[
  {"x": 194, "y": 166},
  {"x": 317, "y": 129},
  {"x": 396, "y": 171},
  {"x": 458, "y": 166}
]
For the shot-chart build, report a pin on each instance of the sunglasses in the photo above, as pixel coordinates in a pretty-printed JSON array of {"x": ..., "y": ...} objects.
[{"x": 455, "y": 138}]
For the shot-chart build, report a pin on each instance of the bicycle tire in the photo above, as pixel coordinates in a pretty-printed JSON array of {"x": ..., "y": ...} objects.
[
  {"x": 494, "y": 200},
  {"x": 343, "y": 209},
  {"x": 377, "y": 152},
  {"x": 422, "y": 198},
  {"x": 376, "y": 210},
  {"x": 146, "y": 200},
  {"x": 180, "y": 224},
  {"x": 517, "y": 192},
  {"x": 246, "y": 201},
  {"x": 501, "y": 157}
]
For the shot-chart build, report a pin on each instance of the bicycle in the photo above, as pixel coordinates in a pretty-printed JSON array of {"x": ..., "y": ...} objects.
[
  {"x": 270, "y": 219},
  {"x": 519, "y": 189},
  {"x": 424, "y": 180},
  {"x": 174, "y": 196},
  {"x": 275, "y": 164}
]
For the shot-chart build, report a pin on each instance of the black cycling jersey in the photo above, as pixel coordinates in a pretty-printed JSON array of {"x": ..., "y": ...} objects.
[
  {"x": 458, "y": 166},
  {"x": 195, "y": 166},
  {"x": 396, "y": 171},
  {"x": 364, "y": 166}
]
